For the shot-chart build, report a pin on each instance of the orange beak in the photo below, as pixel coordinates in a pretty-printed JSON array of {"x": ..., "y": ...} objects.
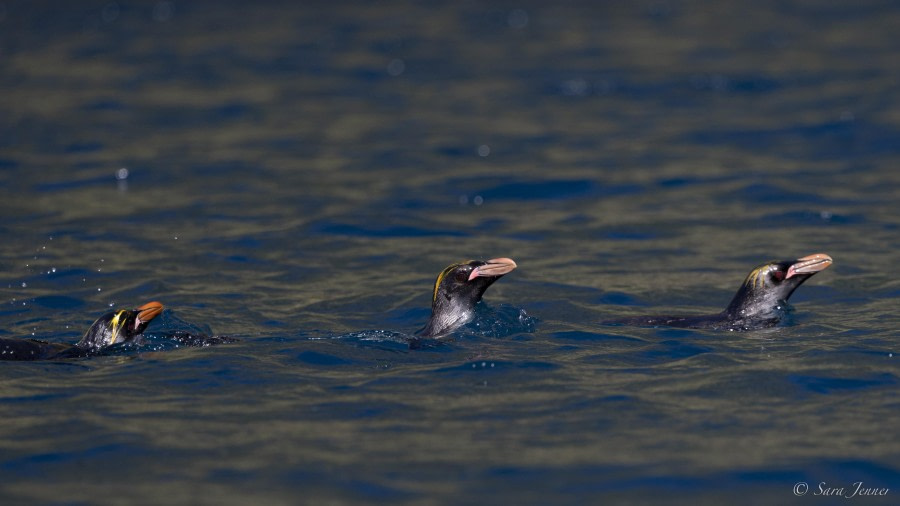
[
  {"x": 809, "y": 265},
  {"x": 149, "y": 311},
  {"x": 493, "y": 267}
]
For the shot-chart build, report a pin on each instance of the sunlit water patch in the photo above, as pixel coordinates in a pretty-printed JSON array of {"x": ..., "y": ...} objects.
[{"x": 297, "y": 176}]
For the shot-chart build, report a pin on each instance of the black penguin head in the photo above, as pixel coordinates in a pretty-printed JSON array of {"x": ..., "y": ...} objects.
[
  {"x": 458, "y": 288},
  {"x": 119, "y": 326},
  {"x": 771, "y": 285}
]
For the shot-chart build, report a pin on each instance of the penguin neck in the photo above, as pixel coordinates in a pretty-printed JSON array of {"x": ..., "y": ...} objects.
[
  {"x": 751, "y": 304},
  {"x": 446, "y": 316}
]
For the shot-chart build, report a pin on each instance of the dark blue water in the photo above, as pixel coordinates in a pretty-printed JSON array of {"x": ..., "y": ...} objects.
[{"x": 298, "y": 175}]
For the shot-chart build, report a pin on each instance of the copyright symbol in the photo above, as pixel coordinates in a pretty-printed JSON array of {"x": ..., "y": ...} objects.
[{"x": 801, "y": 488}]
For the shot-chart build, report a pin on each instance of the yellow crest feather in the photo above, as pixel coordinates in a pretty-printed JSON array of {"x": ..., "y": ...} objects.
[
  {"x": 116, "y": 325},
  {"x": 757, "y": 277}
]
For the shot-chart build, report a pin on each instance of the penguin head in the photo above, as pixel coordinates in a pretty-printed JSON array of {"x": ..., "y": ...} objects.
[
  {"x": 458, "y": 288},
  {"x": 119, "y": 326},
  {"x": 771, "y": 284}
]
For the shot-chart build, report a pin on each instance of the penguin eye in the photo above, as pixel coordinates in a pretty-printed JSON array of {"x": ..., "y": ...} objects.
[
  {"x": 777, "y": 275},
  {"x": 461, "y": 276}
]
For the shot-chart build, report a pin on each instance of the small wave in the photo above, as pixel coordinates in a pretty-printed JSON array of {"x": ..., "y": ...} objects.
[
  {"x": 489, "y": 322},
  {"x": 169, "y": 323},
  {"x": 502, "y": 321},
  {"x": 380, "y": 336}
]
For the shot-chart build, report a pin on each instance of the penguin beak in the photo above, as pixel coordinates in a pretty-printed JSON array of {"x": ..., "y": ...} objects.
[
  {"x": 809, "y": 265},
  {"x": 493, "y": 268},
  {"x": 147, "y": 312}
]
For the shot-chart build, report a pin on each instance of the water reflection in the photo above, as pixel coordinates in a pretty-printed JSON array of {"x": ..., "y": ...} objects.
[{"x": 296, "y": 175}]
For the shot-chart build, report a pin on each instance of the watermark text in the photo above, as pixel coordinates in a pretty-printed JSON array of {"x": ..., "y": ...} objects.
[{"x": 857, "y": 489}]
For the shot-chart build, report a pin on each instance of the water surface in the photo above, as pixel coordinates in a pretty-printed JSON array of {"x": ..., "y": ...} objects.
[{"x": 297, "y": 177}]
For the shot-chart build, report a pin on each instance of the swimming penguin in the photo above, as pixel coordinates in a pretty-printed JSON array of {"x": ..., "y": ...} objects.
[
  {"x": 758, "y": 303},
  {"x": 119, "y": 326},
  {"x": 456, "y": 291}
]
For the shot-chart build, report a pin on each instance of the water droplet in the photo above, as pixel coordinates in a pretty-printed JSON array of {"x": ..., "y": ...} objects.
[
  {"x": 24, "y": 285},
  {"x": 484, "y": 150},
  {"x": 110, "y": 12},
  {"x": 53, "y": 269},
  {"x": 718, "y": 82},
  {"x": 575, "y": 87},
  {"x": 98, "y": 289},
  {"x": 122, "y": 174},
  {"x": 396, "y": 67},
  {"x": 478, "y": 200},
  {"x": 517, "y": 18},
  {"x": 162, "y": 11}
]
